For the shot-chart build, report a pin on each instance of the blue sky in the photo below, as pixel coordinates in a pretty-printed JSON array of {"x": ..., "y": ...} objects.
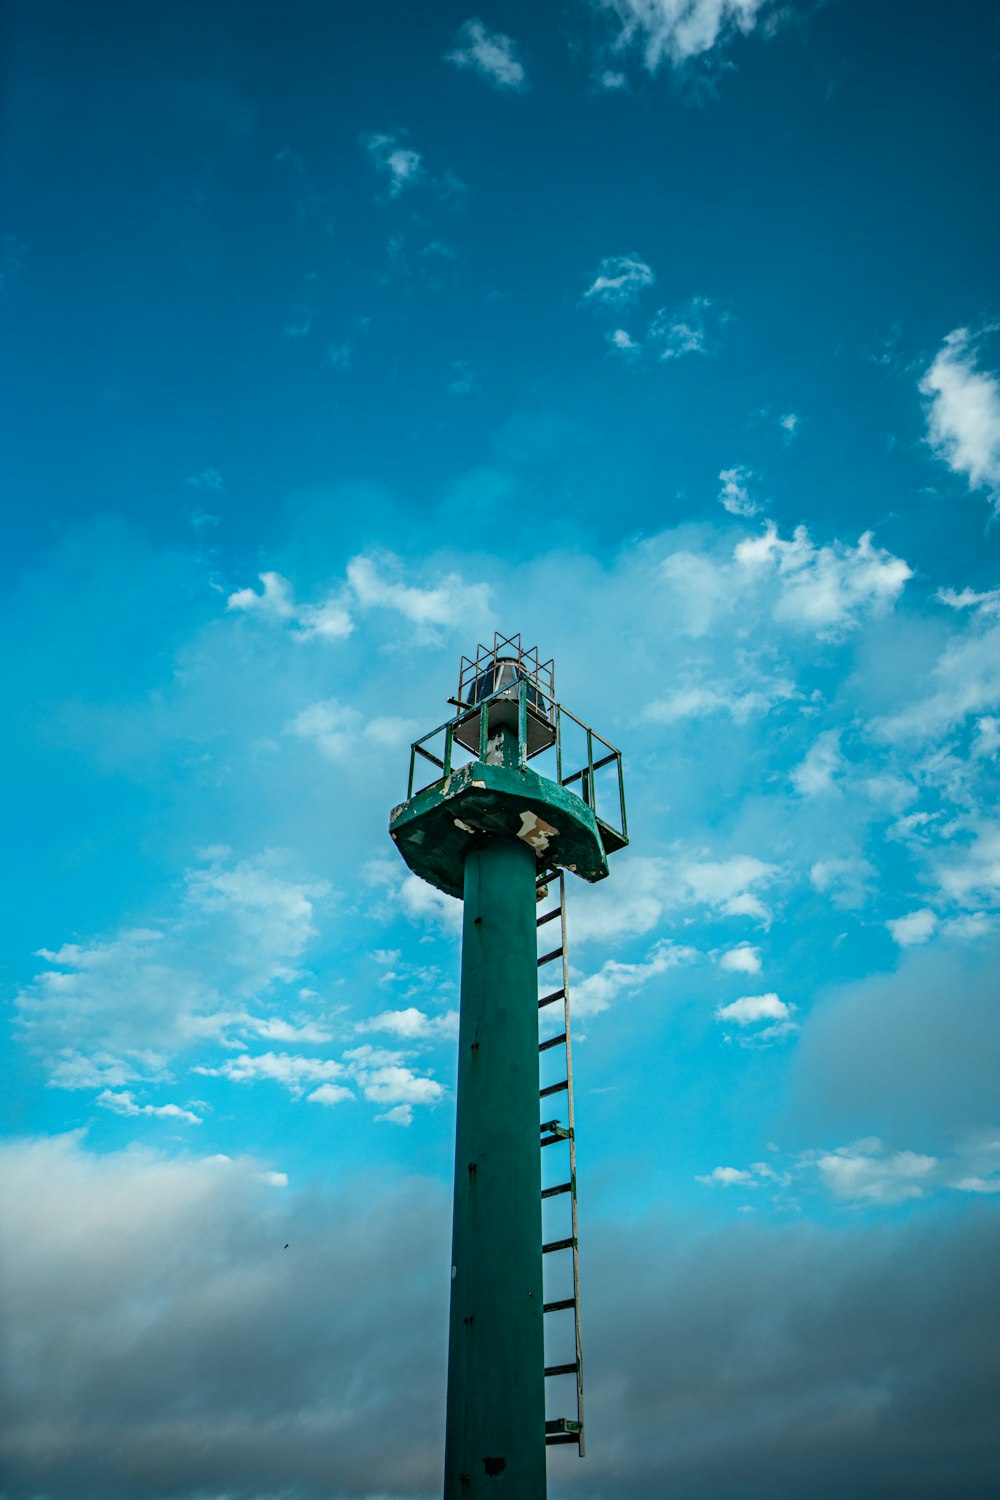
[{"x": 664, "y": 332}]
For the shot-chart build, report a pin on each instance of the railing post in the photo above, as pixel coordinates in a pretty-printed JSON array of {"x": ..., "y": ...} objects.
[
  {"x": 522, "y": 720},
  {"x": 558, "y": 744}
]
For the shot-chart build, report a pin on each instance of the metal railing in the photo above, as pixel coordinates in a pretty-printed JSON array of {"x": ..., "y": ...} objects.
[{"x": 597, "y": 754}]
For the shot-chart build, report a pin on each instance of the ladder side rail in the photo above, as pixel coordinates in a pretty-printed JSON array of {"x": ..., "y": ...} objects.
[{"x": 571, "y": 1125}]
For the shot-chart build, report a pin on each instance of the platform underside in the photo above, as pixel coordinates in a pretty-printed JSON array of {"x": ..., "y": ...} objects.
[{"x": 433, "y": 830}]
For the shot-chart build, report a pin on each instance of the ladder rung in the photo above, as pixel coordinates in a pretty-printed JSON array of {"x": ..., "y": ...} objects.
[
  {"x": 551, "y": 1438},
  {"x": 553, "y": 1041},
  {"x": 563, "y": 1424},
  {"x": 548, "y": 999},
  {"x": 559, "y": 1245},
  {"x": 563, "y": 1306},
  {"x": 552, "y": 1192},
  {"x": 547, "y": 958},
  {"x": 549, "y": 916},
  {"x": 554, "y": 1088},
  {"x": 561, "y": 1369}
]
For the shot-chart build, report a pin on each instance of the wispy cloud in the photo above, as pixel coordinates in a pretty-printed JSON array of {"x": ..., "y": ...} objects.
[
  {"x": 734, "y": 495},
  {"x": 690, "y": 328},
  {"x": 673, "y": 32},
  {"x": 618, "y": 281},
  {"x": 400, "y": 165},
  {"x": 491, "y": 54},
  {"x": 963, "y": 414},
  {"x": 598, "y": 991}
]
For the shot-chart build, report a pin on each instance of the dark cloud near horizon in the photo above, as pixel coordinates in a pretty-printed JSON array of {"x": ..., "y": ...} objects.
[
  {"x": 913, "y": 1055},
  {"x": 161, "y": 1345}
]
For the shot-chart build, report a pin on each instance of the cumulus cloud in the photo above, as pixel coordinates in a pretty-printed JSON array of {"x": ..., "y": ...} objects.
[
  {"x": 916, "y": 927},
  {"x": 330, "y": 619},
  {"x": 124, "y": 1104},
  {"x": 743, "y": 959},
  {"x": 734, "y": 495},
  {"x": 413, "y": 1024},
  {"x": 619, "y": 280},
  {"x": 117, "y": 1009},
  {"x": 674, "y": 32},
  {"x": 865, "y": 1171},
  {"x": 752, "y": 1008},
  {"x": 729, "y": 886},
  {"x": 400, "y": 165},
  {"x": 295, "y": 1073},
  {"x": 490, "y": 54},
  {"x": 963, "y": 414},
  {"x": 377, "y": 584},
  {"x": 373, "y": 581},
  {"x": 817, "y": 773},
  {"x": 828, "y": 589}
]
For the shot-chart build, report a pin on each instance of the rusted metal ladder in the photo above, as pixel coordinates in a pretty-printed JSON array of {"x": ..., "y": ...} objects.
[{"x": 560, "y": 1132}]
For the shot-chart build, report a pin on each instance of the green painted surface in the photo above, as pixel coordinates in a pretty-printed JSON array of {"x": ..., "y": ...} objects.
[
  {"x": 434, "y": 830},
  {"x": 495, "y": 1442}
]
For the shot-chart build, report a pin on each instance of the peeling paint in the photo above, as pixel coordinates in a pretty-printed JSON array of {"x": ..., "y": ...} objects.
[
  {"x": 465, "y": 827},
  {"x": 494, "y": 750},
  {"x": 536, "y": 832},
  {"x": 480, "y": 785}
]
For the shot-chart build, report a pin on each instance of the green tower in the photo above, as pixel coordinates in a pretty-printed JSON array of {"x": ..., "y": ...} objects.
[{"x": 482, "y": 824}]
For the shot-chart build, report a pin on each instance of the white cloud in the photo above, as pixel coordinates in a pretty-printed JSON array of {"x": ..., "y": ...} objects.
[
  {"x": 729, "y": 885},
  {"x": 675, "y": 31},
  {"x": 974, "y": 876},
  {"x": 330, "y": 1093},
  {"x": 963, "y": 414},
  {"x": 274, "y": 602},
  {"x": 826, "y": 589},
  {"x": 424, "y": 903},
  {"x": 743, "y": 959},
  {"x": 402, "y": 166},
  {"x": 295, "y": 1073},
  {"x": 790, "y": 422},
  {"x": 490, "y": 54},
  {"x": 866, "y": 1172},
  {"x": 594, "y": 994},
  {"x": 271, "y": 915},
  {"x": 619, "y": 280},
  {"x": 965, "y": 680},
  {"x": 735, "y": 493},
  {"x": 698, "y": 700},
  {"x": 114, "y": 1010},
  {"x": 750, "y": 1009},
  {"x": 328, "y": 620},
  {"x": 687, "y": 329},
  {"x": 333, "y": 727},
  {"x": 917, "y": 927},
  {"x": 412, "y": 1024},
  {"x": 623, "y": 341},
  {"x": 451, "y": 602},
  {"x": 124, "y": 1104},
  {"x": 817, "y": 773},
  {"x": 728, "y": 1177}
]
